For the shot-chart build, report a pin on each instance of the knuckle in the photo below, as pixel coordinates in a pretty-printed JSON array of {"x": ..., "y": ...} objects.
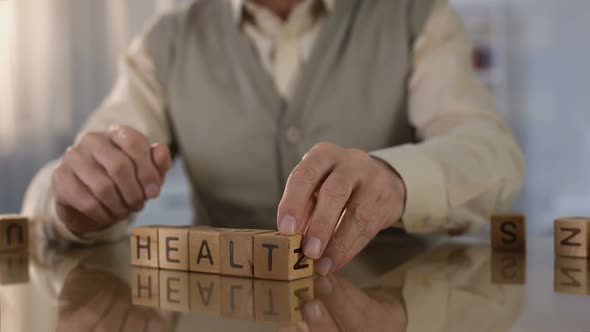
[
  {"x": 121, "y": 168},
  {"x": 358, "y": 156},
  {"x": 90, "y": 137},
  {"x": 304, "y": 174},
  {"x": 323, "y": 148},
  {"x": 335, "y": 191},
  {"x": 105, "y": 189}
]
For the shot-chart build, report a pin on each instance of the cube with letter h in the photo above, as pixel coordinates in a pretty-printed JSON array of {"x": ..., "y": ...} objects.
[
  {"x": 509, "y": 231},
  {"x": 572, "y": 237},
  {"x": 144, "y": 246},
  {"x": 280, "y": 257}
]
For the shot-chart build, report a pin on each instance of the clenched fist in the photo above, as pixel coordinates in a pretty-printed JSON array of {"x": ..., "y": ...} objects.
[
  {"x": 107, "y": 176},
  {"x": 340, "y": 199}
]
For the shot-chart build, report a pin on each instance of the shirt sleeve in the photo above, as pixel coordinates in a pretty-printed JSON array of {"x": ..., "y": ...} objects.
[
  {"x": 467, "y": 165},
  {"x": 138, "y": 100}
]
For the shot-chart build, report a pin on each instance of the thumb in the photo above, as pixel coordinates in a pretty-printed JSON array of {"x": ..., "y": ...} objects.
[{"x": 161, "y": 158}]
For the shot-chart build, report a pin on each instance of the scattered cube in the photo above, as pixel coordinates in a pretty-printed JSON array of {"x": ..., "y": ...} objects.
[
  {"x": 237, "y": 252},
  {"x": 144, "y": 246},
  {"x": 508, "y": 268},
  {"x": 571, "y": 276},
  {"x": 205, "y": 293},
  {"x": 280, "y": 301},
  {"x": 237, "y": 298},
  {"x": 204, "y": 250},
  {"x": 280, "y": 257},
  {"x": 14, "y": 232},
  {"x": 571, "y": 237},
  {"x": 509, "y": 231},
  {"x": 174, "y": 290},
  {"x": 145, "y": 287}
]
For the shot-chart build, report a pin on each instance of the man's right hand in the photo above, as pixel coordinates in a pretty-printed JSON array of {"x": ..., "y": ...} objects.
[{"x": 107, "y": 176}]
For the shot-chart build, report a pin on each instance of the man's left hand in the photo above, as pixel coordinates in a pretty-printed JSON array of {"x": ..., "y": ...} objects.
[{"x": 340, "y": 199}]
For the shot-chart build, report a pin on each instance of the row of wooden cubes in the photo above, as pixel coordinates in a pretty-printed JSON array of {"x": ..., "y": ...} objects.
[
  {"x": 236, "y": 252},
  {"x": 218, "y": 295}
]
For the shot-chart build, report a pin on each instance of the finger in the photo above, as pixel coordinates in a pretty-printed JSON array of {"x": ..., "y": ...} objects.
[
  {"x": 97, "y": 180},
  {"x": 360, "y": 223},
  {"x": 137, "y": 320},
  {"x": 318, "y": 319},
  {"x": 71, "y": 192},
  {"x": 119, "y": 167},
  {"x": 306, "y": 177},
  {"x": 137, "y": 147},
  {"x": 114, "y": 319},
  {"x": 308, "y": 212},
  {"x": 161, "y": 158},
  {"x": 76, "y": 221},
  {"x": 333, "y": 195}
]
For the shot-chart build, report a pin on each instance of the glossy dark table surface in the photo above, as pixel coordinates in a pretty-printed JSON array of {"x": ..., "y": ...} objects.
[{"x": 398, "y": 283}]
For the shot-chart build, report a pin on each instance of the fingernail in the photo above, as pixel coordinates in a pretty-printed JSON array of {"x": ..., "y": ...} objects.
[
  {"x": 312, "y": 311},
  {"x": 152, "y": 190},
  {"x": 287, "y": 225},
  {"x": 312, "y": 247},
  {"x": 323, "y": 266}
]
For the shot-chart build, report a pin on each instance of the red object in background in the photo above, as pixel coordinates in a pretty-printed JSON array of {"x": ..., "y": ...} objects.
[{"x": 482, "y": 58}]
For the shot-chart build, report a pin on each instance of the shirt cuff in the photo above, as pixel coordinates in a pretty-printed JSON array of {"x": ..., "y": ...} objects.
[
  {"x": 111, "y": 233},
  {"x": 426, "y": 196}
]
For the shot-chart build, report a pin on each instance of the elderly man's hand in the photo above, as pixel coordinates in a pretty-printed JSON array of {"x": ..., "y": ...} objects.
[
  {"x": 106, "y": 176},
  {"x": 333, "y": 186}
]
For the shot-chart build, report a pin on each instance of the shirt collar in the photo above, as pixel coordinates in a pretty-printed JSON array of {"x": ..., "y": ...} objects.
[{"x": 238, "y": 5}]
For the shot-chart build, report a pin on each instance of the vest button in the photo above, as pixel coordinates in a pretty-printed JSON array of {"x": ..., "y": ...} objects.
[{"x": 293, "y": 135}]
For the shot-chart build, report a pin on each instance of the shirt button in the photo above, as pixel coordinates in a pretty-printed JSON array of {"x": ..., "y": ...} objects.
[{"x": 293, "y": 135}]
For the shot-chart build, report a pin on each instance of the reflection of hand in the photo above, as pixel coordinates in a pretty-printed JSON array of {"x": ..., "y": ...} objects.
[
  {"x": 94, "y": 300},
  {"x": 339, "y": 306}
]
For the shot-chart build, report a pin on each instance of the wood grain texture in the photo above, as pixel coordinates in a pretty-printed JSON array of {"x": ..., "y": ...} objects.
[
  {"x": 508, "y": 231},
  {"x": 173, "y": 248},
  {"x": 279, "y": 257},
  {"x": 572, "y": 237},
  {"x": 204, "y": 250}
]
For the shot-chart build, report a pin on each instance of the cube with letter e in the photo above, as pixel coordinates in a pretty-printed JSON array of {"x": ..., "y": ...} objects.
[
  {"x": 572, "y": 237},
  {"x": 280, "y": 257},
  {"x": 509, "y": 231}
]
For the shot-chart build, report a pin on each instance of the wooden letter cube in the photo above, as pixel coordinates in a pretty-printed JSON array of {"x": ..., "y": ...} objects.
[
  {"x": 237, "y": 298},
  {"x": 509, "y": 231},
  {"x": 144, "y": 246},
  {"x": 145, "y": 287},
  {"x": 204, "y": 250},
  {"x": 14, "y": 232},
  {"x": 205, "y": 293},
  {"x": 571, "y": 237},
  {"x": 280, "y": 301},
  {"x": 280, "y": 257},
  {"x": 237, "y": 252},
  {"x": 508, "y": 268},
  {"x": 571, "y": 276},
  {"x": 173, "y": 248},
  {"x": 174, "y": 290}
]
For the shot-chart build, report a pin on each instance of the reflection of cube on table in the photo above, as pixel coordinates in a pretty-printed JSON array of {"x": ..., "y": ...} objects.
[
  {"x": 571, "y": 275},
  {"x": 14, "y": 232},
  {"x": 14, "y": 267},
  {"x": 282, "y": 301},
  {"x": 508, "y": 268},
  {"x": 145, "y": 287}
]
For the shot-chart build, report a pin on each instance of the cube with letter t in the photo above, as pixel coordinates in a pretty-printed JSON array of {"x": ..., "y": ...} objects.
[
  {"x": 280, "y": 257},
  {"x": 509, "y": 231}
]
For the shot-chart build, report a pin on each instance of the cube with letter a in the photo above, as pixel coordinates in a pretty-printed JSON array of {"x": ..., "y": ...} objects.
[
  {"x": 204, "y": 250},
  {"x": 14, "y": 232},
  {"x": 572, "y": 237},
  {"x": 280, "y": 257},
  {"x": 509, "y": 231},
  {"x": 144, "y": 246}
]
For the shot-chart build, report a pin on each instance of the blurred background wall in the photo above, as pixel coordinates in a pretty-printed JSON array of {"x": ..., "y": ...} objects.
[{"x": 58, "y": 59}]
